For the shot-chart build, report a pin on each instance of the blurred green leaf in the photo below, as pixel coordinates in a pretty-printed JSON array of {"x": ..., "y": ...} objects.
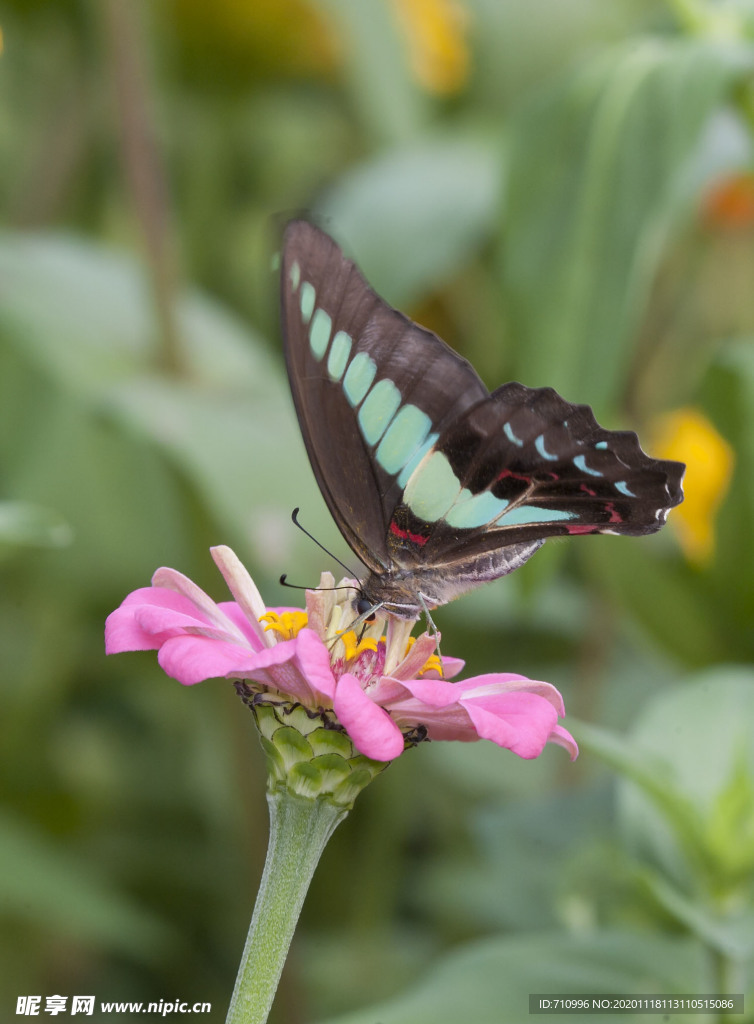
[
  {"x": 520, "y": 44},
  {"x": 375, "y": 59},
  {"x": 489, "y": 982},
  {"x": 26, "y": 525},
  {"x": 732, "y": 935},
  {"x": 436, "y": 199},
  {"x": 653, "y": 776},
  {"x": 687, "y": 803},
  {"x": 41, "y": 884},
  {"x": 700, "y": 734},
  {"x": 598, "y": 175},
  {"x": 728, "y": 393},
  {"x": 661, "y": 593},
  {"x": 513, "y": 877},
  {"x": 227, "y": 422}
]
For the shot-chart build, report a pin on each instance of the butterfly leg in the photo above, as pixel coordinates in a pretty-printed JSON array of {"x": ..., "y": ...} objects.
[{"x": 431, "y": 623}]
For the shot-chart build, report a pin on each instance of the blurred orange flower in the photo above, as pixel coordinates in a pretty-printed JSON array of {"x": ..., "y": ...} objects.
[
  {"x": 688, "y": 436},
  {"x": 729, "y": 203},
  {"x": 435, "y": 31}
]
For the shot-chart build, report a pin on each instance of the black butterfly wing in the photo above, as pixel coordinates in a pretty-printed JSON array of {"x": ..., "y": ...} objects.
[
  {"x": 521, "y": 466},
  {"x": 373, "y": 391}
]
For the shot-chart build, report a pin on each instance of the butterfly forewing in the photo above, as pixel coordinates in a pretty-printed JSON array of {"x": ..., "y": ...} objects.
[{"x": 373, "y": 391}]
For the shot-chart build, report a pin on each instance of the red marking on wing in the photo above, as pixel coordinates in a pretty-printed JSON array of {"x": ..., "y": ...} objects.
[
  {"x": 615, "y": 516},
  {"x": 415, "y": 538},
  {"x": 580, "y": 528},
  {"x": 588, "y": 490},
  {"x": 516, "y": 476}
]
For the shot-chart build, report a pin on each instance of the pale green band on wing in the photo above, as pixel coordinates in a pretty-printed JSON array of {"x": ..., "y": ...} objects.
[
  {"x": 379, "y": 407},
  {"x": 580, "y": 463},
  {"x": 295, "y": 275},
  {"x": 623, "y": 487},
  {"x": 405, "y": 434},
  {"x": 340, "y": 350},
  {"x": 432, "y": 489},
  {"x": 319, "y": 333},
  {"x": 413, "y": 462},
  {"x": 601, "y": 444},
  {"x": 359, "y": 376},
  {"x": 525, "y": 514},
  {"x": 307, "y": 298},
  {"x": 476, "y": 510}
]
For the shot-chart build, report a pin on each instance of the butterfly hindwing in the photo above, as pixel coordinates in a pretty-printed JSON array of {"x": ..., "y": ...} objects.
[
  {"x": 373, "y": 391},
  {"x": 525, "y": 465}
]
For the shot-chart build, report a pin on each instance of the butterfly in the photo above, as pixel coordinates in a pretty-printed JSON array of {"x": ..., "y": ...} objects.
[{"x": 437, "y": 485}]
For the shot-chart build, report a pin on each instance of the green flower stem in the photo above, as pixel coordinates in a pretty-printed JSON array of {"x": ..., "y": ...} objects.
[{"x": 299, "y": 831}]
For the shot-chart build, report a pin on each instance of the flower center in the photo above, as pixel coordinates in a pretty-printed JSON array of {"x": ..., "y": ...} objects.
[
  {"x": 285, "y": 624},
  {"x": 354, "y": 647}
]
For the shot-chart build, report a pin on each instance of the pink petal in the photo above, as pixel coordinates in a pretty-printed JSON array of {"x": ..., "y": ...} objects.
[
  {"x": 422, "y": 648},
  {"x": 521, "y": 722},
  {"x": 563, "y": 738},
  {"x": 192, "y": 659},
  {"x": 451, "y": 666},
  {"x": 508, "y": 682},
  {"x": 434, "y": 693},
  {"x": 244, "y": 590},
  {"x": 239, "y": 620},
  {"x": 172, "y": 580},
  {"x": 125, "y": 632},
  {"x": 298, "y": 669},
  {"x": 370, "y": 727}
]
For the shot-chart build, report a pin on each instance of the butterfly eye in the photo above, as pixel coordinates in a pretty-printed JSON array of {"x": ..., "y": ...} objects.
[{"x": 362, "y": 606}]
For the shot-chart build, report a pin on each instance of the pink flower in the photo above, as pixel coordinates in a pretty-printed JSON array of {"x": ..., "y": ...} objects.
[{"x": 386, "y": 691}]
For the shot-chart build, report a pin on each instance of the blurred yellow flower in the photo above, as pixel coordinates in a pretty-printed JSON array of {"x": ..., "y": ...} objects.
[
  {"x": 435, "y": 31},
  {"x": 237, "y": 41},
  {"x": 688, "y": 436}
]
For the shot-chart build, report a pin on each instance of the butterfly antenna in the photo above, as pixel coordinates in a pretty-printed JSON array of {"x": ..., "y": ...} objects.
[
  {"x": 283, "y": 581},
  {"x": 294, "y": 517}
]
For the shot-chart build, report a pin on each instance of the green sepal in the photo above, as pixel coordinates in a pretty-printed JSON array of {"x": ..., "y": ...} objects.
[{"x": 311, "y": 755}]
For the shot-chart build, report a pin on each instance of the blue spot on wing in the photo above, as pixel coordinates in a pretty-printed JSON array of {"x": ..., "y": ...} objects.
[
  {"x": 526, "y": 514},
  {"x": 539, "y": 444},
  {"x": 580, "y": 463},
  {"x": 508, "y": 431}
]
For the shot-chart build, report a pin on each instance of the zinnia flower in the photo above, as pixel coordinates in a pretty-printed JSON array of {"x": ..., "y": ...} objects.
[{"x": 385, "y": 692}]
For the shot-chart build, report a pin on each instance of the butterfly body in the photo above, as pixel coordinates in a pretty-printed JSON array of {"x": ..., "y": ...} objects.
[{"x": 436, "y": 484}]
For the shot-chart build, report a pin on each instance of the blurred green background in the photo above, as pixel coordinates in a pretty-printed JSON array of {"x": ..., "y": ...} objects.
[{"x": 564, "y": 190}]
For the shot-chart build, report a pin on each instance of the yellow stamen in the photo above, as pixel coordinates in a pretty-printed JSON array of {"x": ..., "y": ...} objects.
[
  {"x": 354, "y": 647},
  {"x": 432, "y": 664},
  {"x": 286, "y": 624}
]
